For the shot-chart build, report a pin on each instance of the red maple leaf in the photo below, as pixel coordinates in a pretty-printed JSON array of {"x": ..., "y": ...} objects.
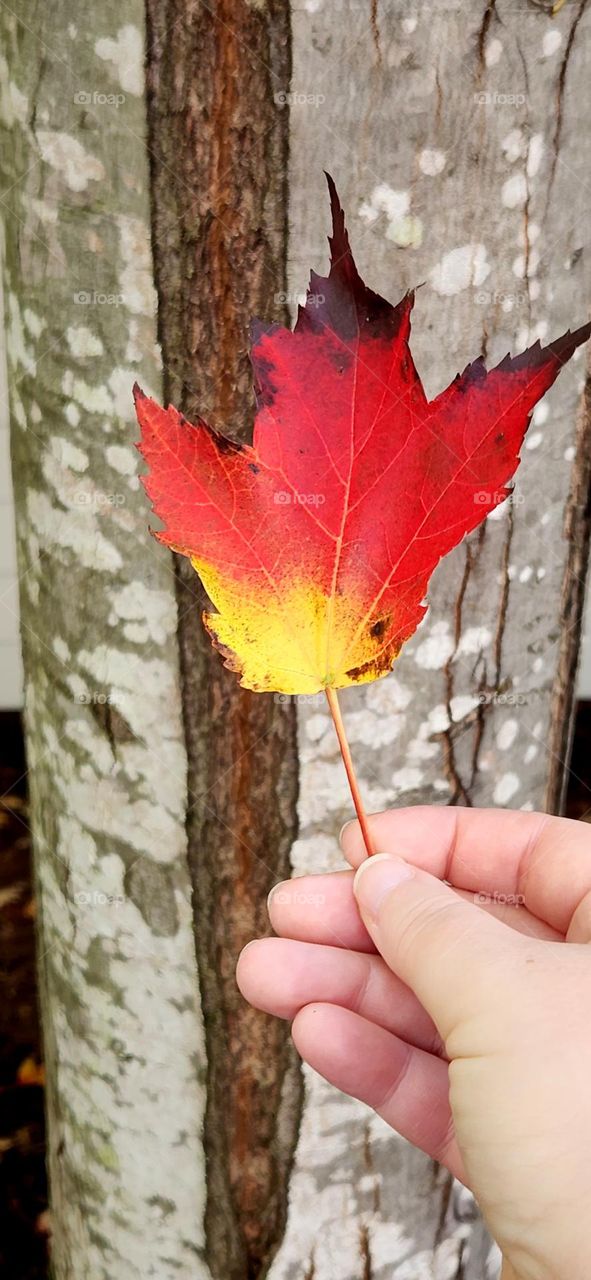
[{"x": 316, "y": 544}]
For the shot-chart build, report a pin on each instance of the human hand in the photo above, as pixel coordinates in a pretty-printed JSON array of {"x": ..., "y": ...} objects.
[{"x": 457, "y": 1013}]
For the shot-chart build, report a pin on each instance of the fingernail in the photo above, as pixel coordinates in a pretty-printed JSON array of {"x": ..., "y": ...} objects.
[
  {"x": 273, "y": 891},
  {"x": 375, "y": 879},
  {"x": 349, "y": 823}
]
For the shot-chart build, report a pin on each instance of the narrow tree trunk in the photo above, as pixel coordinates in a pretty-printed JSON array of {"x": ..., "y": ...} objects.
[
  {"x": 218, "y": 148},
  {"x": 124, "y": 1041},
  {"x": 453, "y": 134},
  {"x": 163, "y": 797}
]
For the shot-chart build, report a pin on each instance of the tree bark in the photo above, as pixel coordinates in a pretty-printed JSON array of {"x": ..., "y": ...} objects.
[
  {"x": 454, "y": 133},
  {"x": 124, "y": 1041},
  {"x": 163, "y": 797},
  {"x": 218, "y": 147}
]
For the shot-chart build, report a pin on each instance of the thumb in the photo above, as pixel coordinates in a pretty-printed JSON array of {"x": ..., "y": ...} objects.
[{"x": 457, "y": 959}]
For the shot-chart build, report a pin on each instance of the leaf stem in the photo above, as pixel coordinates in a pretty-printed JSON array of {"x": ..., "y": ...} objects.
[{"x": 335, "y": 711}]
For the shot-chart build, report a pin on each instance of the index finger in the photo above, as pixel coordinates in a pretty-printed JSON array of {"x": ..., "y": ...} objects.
[{"x": 542, "y": 862}]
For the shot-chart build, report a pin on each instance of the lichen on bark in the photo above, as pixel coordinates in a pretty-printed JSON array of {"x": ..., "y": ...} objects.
[{"x": 119, "y": 993}]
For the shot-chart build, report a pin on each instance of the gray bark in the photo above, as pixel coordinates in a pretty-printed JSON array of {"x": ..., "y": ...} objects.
[
  {"x": 122, "y": 1024},
  {"x": 453, "y": 136}
]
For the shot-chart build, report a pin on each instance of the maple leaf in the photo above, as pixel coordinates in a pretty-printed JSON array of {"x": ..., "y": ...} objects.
[{"x": 316, "y": 544}]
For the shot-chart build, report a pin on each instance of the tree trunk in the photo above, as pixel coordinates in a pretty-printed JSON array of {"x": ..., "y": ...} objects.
[{"x": 164, "y": 798}]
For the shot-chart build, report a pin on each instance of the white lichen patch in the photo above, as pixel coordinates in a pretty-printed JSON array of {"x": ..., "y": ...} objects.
[
  {"x": 80, "y": 493},
  {"x": 136, "y": 277},
  {"x": 437, "y": 720},
  {"x": 507, "y": 786},
  {"x": 408, "y": 778},
  {"x": 120, "y": 384},
  {"x": 523, "y": 266},
  {"x": 33, "y": 322},
  {"x": 433, "y": 652},
  {"x": 551, "y": 42},
  {"x": 313, "y": 853},
  {"x": 462, "y": 705},
  {"x": 14, "y": 106},
  {"x": 83, "y": 343},
  {"x": 401, "y": 227},
  {"x": 154, "y": 611},
  {"x": 126, "y": 55},
  {"x": 374, "y": 730},
  {"x": 149, "y": 821},
  {"x": 419, "y": 750},
  {"x": 72, "y": 414},
  {"x": 535, "y": 154},
  {"x": 460, "y": 269},
  {"x": 316, "y": 726},
  {"x": 388, "y": 696},
  {"x": 67, "y": 156},
  {"x": 68, "y": 454},
  {"x": 514, "y": 191},
  {"x": 82, "y": 732},
  {"x": 95, "y": 399},
  {"x": 72, "y": 530},
  {"x": 514, "y": 145},
  {"x": 17, "y": 350},
  {"x": 493, "y": 53},
  {"x": 325, "y": 791},
  {"x": 432, "y": 161},
  {"x": 61, "y": 649},
  {"x": 507, "y": 734},
  {"x": 134, "y": 351},
  {"x": 540, "y": 414},
  {"x": 474, "y": 640},
  {"x": 122, "y": 459}
]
